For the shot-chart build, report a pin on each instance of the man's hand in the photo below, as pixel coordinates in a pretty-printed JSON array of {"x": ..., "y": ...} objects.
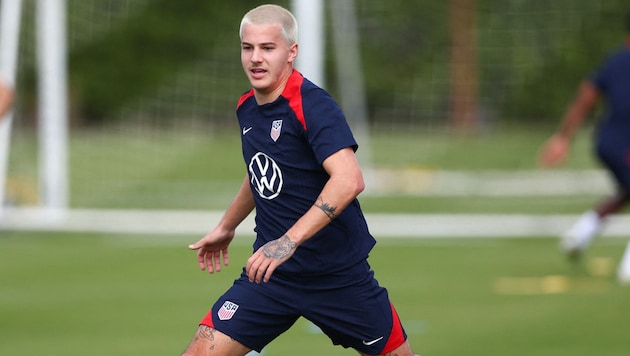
[
  {"x": 262, "y": 263},
  {"x": 555, "y": 151},
  {"x": 213, "y": 248}
]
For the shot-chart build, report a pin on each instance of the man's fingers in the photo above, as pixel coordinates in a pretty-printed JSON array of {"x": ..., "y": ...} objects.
[
  {"x": 256, "y": 267},
  {"x": 210, "y": 262},
  {"x": 226, "y": 257},
  {"x": 270, "y": 269},
  {"x": 260, "y": 268},
  {"x": 261, "y": 272},
  {"x": 201, "y": 260},
  {"x": 217, "y": 260},
  {"x": 252, "y": 266}
]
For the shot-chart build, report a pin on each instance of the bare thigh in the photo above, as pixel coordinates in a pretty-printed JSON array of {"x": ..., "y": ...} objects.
[
  {"x": 209, "y": 341},
  {"x": 402, "y": 350}
]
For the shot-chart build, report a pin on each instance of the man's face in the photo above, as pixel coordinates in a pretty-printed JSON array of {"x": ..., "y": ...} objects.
[{"x": 267, "y": 59}]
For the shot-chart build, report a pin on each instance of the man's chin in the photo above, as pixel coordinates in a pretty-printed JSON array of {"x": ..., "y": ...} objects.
[{"x": 259, "y": 86}]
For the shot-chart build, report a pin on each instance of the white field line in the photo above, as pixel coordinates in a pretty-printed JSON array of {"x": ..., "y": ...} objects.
[
  {"x": 165, "y": 222},
  {"x": 428, "y": 182},
  {"x": 403, "y": 182}
]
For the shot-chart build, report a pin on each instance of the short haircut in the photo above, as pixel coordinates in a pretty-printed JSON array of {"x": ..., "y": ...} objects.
[{"x": 272, "y": 14}]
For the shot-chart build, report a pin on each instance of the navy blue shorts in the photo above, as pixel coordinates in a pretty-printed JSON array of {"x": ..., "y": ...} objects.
[{"x": 351, "y": 308}]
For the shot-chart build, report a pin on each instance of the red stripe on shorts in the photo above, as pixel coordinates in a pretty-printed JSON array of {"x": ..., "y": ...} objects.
[
  {"x": 207, "y": 320},
  {"x": 397, "y": 336}
]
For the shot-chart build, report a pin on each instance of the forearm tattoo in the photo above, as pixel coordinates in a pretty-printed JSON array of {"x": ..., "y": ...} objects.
[
  {"x": 280, "y": 248},
  {"x": 329, "y": 210}
]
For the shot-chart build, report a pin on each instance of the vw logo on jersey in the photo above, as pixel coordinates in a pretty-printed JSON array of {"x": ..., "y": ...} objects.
[{"x": 265, "y": 176}]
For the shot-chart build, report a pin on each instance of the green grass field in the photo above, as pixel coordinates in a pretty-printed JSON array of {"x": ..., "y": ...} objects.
[{"x": 77, "y": 294}]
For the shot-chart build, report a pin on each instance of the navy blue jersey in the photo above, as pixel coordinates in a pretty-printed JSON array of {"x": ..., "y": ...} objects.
[
  {"x": 612, "y": 79},
  {"x": 612, "y": 145},
  {"x": 284, "y": 144}
]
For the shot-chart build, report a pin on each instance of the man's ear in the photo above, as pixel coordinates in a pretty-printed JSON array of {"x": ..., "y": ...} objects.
[{"x": 293, "y": 52}]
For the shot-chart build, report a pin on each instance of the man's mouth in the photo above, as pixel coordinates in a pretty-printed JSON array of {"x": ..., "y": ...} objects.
[{"x": 258, "y": 72}]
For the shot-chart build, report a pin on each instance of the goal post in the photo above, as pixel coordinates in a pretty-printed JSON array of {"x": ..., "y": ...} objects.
[
  {"x": 350, "y": 77},
  {"x": 53, "y": 111},
  {"x": 52, "y": 98},
  {"x": 10, "y": 15},
  {"x": 310, "y": 17}
]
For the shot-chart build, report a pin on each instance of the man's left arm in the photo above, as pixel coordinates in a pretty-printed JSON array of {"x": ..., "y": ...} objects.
[{"x": 343, "y": 186}]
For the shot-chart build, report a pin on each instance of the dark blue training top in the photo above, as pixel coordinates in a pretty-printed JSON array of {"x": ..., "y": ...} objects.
[
  {"x": 284, "y": 144},
  {"x": 613, "y": 80}
]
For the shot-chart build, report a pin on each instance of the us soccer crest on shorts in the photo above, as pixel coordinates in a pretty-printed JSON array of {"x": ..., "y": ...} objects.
[{"x": 227, "y": 311}]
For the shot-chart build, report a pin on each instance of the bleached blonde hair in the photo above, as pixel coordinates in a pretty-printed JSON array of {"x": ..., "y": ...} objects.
[{"x": 272, "y": 14}]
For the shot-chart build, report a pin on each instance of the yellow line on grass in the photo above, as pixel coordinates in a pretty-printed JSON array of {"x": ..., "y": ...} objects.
[{"x": 550, "y": 285}]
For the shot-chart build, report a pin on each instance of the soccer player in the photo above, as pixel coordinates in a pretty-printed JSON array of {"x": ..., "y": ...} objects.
[
  {"x": 312, "y": 241},
  {"x": 612, "y": 145}
]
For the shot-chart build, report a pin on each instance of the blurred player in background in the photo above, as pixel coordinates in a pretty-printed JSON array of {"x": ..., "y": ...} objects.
[
  {"x": 312, "y": 241},
  {"x": 611, "y": 81},
  {"x": 6, "y": 98}
]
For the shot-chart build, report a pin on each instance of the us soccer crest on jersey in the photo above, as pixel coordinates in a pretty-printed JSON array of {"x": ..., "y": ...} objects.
[{"x": 276, "y": 127}]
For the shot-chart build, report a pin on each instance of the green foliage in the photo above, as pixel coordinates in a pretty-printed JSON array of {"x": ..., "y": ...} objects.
[
  {"x": 401, "y": 42},
  {"x": 532, "y": 55},
  {"x": 147, "y": 48},
  {"x": 556, "y": 65}
]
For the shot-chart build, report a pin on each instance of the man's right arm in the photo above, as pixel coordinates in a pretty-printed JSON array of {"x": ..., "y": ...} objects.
[
  {"x": 212, "y": 249},
  {"x": 240, "y": 208},
  {"x": 556, "y": 149}
]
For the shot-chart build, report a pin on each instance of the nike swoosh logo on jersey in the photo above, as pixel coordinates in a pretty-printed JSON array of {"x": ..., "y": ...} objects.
[
  {"x": 368, "y": 343},
  {"x": 246, "y": 129}
]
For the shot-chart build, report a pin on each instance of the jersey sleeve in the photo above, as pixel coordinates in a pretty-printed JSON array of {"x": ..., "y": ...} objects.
[
  {"x": 326, "y": 128},
  {"x": 601, "y": 75}
]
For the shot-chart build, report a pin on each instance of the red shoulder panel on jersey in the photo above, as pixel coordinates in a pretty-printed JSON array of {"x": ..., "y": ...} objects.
[
  {"x": 244, "y": 97},
  {"x": 293, "y": 93}
]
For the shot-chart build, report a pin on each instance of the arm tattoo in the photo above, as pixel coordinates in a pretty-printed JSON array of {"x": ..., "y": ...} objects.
[
  {"x": 277, "y": 249},
  {"x": 329, "y": 210},
  {"x": 206, "y": 332}
]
